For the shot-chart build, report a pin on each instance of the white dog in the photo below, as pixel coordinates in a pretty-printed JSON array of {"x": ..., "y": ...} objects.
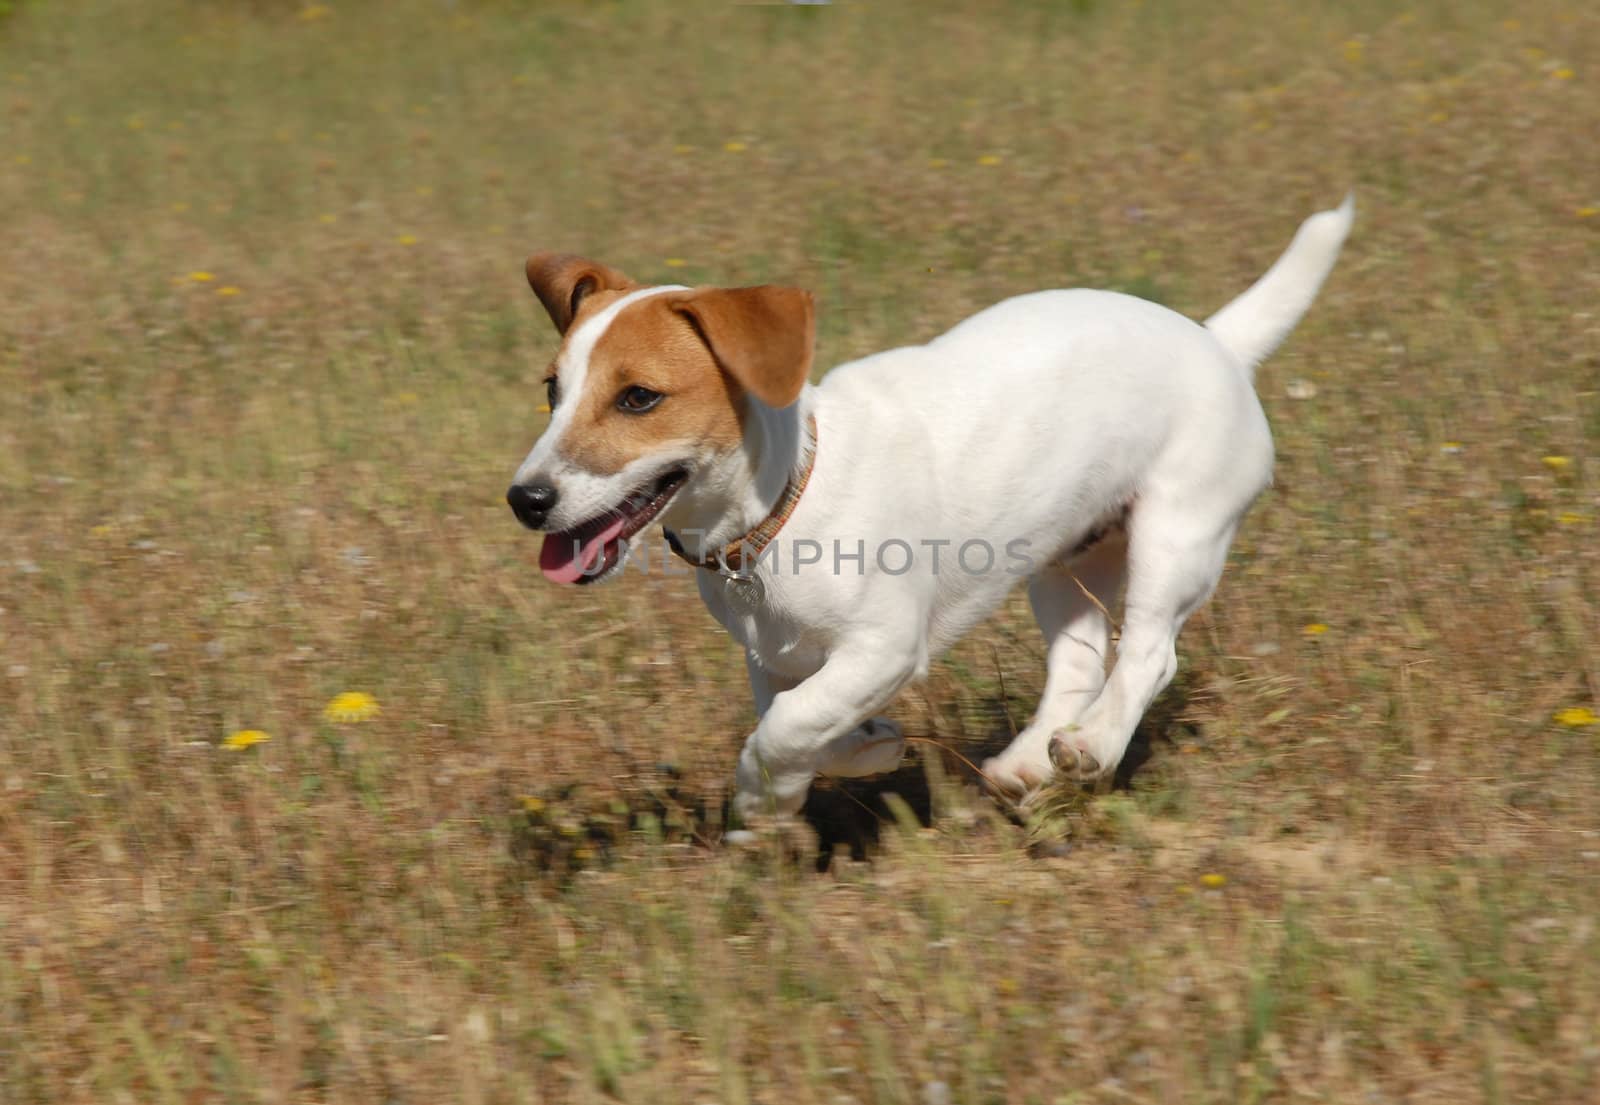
[{"x": 850, "y": 531}]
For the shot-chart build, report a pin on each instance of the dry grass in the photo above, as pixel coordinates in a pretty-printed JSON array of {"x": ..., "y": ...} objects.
[{"x": 1361, "y": 864}]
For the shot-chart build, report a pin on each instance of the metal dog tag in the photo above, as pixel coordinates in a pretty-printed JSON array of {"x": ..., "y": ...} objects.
[{"x": 744, "y": 591}]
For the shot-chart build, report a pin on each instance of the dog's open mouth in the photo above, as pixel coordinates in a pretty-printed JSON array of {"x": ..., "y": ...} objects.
[{"x": 591, "y": 551}]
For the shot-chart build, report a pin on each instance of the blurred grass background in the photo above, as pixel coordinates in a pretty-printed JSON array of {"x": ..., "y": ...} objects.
[{"x": 267, "y": 362}]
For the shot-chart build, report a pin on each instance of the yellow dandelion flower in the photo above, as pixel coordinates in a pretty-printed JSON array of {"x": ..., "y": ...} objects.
[
  {"x": 1576, "y": 717},
  {"x": 407, "y": 239},
  {"x": 675, "y": 262},
  {"x": 24, "y": 159},
  {"x": 327, "y": 219},
  {"x": 201, "y": 277},
  {"x": 311, "y": 13},
  {"x": 1586, "y": 212},
  {"x": 101, "y": 531},
  {"x": 1315, "y": 629},
  {"x": 351, "y": 707},
  {"x": 1451, "y": 448},
  {"x": 735, "y": 147},
  {"x": 1555, "y": 463},
  {"x": 532, "y": 803},
  {"x": 937, "y": 162},
  {"x": 1570, "y": 518},
  {"x": 1213, "y": 881},
  {"x": 135, "y": 123},
  {"x": 180, "y": 207},
  {"x": 408, "y": 398},
  {"x": 1563, "y": 74},
  {"x": 682, "y": 148},
  {"x": 990, "y": 159},
  {"x": 1353, "y": 49},
  {"x": 228, "y": 291},
  {"x": 244, "y": 738}
]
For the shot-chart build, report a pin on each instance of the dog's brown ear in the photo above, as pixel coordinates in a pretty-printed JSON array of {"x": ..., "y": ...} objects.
[
  {"x": 762, "y": 337},
  {"x": 561, "y": 280}
]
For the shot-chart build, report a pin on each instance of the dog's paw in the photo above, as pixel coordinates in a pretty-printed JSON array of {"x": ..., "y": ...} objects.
[
  {"x": 1073, "y": 757},
  {"x": 757, "y": 806},
  {"x": 1014, "y": 777},
  {"x": 761, "y": 793},
  {"x": 874, "y": 747}
]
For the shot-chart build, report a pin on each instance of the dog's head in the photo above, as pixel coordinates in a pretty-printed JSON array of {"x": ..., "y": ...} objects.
[{"x": 649, "y": 394}]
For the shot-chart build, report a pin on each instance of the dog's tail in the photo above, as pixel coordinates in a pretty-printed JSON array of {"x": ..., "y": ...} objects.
[{"x": 1253, "y": 325}]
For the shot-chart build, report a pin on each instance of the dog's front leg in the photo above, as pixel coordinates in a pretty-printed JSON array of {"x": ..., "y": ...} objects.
[
  {"x": 765, "y": 685},
  {"x": 813, "y": 727}
]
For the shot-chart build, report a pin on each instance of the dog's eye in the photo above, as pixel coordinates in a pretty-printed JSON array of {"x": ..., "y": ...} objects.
[
  {"x": 550, "y": 392},
  {"x": 637, "y": 400}
]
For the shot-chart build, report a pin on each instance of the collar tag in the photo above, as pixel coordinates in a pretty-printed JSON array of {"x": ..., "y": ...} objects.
[{"x": 744, "y": 590}]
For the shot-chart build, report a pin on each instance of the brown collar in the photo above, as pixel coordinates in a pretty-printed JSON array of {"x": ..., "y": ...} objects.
[{"x": 731, "y": 558}]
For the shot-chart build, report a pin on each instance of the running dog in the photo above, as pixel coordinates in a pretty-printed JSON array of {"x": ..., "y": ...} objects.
[{"x": 846, "y": 533}]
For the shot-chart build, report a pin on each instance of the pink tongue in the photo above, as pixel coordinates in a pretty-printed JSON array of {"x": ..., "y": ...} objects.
[{"x": 564, "y": 559}]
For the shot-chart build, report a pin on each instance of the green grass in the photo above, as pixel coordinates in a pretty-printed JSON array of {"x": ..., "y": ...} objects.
[{"x": 219, "y": 510}]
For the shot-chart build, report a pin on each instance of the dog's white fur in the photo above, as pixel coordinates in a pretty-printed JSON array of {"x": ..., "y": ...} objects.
[{"x": 1032, "y": 426}]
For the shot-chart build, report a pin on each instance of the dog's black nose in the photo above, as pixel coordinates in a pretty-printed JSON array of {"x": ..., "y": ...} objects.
[{"x": 531, "y": 502}]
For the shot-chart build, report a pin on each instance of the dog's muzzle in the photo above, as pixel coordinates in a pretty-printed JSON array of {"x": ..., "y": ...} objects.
[{"x": 532, "y": 503}]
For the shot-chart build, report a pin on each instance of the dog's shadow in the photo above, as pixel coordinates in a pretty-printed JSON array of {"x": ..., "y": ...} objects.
[
  {"x": 567, "y": 830},
  {"x": 849, "y": 814}
]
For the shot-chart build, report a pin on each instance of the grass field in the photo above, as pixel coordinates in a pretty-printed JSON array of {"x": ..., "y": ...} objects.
[{"x": 267, "y": 363}]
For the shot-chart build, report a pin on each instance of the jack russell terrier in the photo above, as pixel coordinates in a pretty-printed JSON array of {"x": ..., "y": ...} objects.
[{"x": 850, "y": 531}]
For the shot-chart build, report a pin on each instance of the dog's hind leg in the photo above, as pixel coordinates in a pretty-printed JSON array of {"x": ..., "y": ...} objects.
[
  {"x": 1175, "y": 557},
  {"x": 1070, "y": 601}
]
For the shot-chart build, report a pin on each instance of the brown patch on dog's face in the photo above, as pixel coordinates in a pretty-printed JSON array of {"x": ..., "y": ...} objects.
[
  {"x": 763, "y": 337},
  {"x": 653, "y": 346}
]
